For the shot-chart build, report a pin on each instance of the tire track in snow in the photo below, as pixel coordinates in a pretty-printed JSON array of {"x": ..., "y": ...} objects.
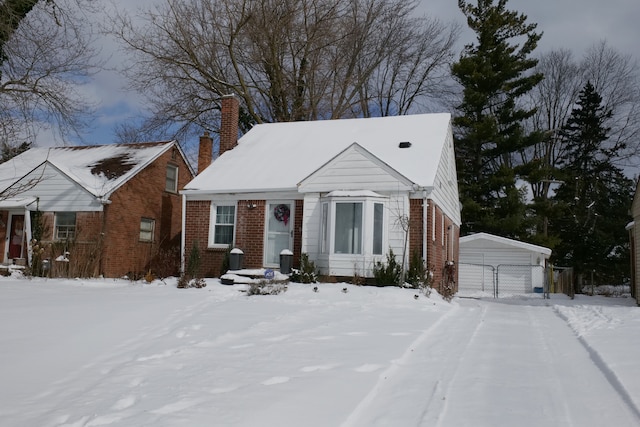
[
  {"x": 600, "y": 363},
  {"x": 542, "y": 341},
  {"x": 418, "y": 355}
]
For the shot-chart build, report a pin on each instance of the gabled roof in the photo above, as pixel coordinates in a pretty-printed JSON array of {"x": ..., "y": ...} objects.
[
  {"x": 99, "y": 169},
  {"x": 277, "y": 156},
  {"x": 505, "y": 242}
]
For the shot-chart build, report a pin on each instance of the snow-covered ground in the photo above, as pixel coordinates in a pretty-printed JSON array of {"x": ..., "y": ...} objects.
[{"x": 119, "y": 353}]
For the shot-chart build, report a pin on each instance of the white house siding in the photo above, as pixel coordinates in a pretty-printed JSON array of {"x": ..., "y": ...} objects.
[
  {"x": 354, "y": 169},
  {"x": 311, "y": 215},
  {"x": 56, "y": 192},
  {"x": 445, "y": 187},
  {"x": 398, "y": 206}
]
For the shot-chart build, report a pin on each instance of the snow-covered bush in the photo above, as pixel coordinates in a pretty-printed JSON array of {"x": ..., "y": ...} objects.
[{"x": 307, "y": 272}]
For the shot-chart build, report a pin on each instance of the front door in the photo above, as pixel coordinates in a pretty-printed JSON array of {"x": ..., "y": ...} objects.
[
  {"x": 279, "y": 231},
  {"x": 16, "y": 236}
]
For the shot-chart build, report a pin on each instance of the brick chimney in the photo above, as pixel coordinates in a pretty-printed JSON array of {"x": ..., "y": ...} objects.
[
  {"x": 230, "y": 113},
  {"x": 205, "y": 152}
]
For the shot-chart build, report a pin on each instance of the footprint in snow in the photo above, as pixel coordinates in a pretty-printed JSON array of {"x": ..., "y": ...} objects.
[
  {"x": 276, "y": 380},
  {"x": 325, "y": 338},
  {"x": 221, "y": 390},
  {"x": 176, "y": 406},
  {"x": 124, "y": 403},
  {"x": 277, "y": 339},
  {"x": 239, "y": 346},
  {"x": 369, "y": 367},
  {"x": 317, "y": 368},
  {"x": 181, "y": 334}
]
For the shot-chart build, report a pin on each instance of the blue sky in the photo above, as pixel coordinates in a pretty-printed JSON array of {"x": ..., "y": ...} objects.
[{"x": 566, "y": 24}]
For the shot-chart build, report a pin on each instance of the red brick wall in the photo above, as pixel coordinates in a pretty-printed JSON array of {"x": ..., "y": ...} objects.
[
  {"x": 250, "y": 223},
  {"x": 143, "y": 196},
  {"x": 250, "y": 231},
  {"x": 230, "y": 109},
  {"x": 415, "y": 227},
  {"x": 439, "y": 250}
]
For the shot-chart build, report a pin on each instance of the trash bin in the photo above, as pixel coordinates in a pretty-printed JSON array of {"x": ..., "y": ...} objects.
[
  {"x": 286, "y": 261},
  {"x": 235, "y": 259}
]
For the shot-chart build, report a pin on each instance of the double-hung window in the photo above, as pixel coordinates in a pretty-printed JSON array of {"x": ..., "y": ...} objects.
[
  {"x": 223, "y": 221},
  {"x": 171, "y": 181},
  {"x": 65, "y": 226},
  {"x": 147, "y": 227}
]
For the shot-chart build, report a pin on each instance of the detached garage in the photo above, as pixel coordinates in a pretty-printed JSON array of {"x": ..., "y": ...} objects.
[{"x": 497, "y": 265}]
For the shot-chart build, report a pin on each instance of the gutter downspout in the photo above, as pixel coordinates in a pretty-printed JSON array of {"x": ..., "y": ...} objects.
[{"x": 425, "y": 228}]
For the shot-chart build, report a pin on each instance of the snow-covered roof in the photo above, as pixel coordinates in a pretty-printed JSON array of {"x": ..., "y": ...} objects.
[
  {"x": 277, "y": 156},
  {"x": 505, "y": 241},
  {"x": 99, "y": 169}
]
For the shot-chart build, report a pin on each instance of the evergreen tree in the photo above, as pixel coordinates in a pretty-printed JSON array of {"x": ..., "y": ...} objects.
[
  {"x": 594, "y": 199},
  {"x": 489, "y": 131}
]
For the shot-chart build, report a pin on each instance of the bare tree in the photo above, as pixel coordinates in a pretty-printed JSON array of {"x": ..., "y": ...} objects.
[
  {"x": 46, "y": 56},
  {"x": 285, "y": 59},
  {"x": 615, "y": 77}
]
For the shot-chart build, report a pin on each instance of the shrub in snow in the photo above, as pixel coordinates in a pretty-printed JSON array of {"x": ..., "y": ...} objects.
[
  {"x": 189, "y": 278},
  {"x": 264, "y": 287},
  {"x": 418, "y": 276},
  {"x": 387, "y": 274},
  {"x": 307, "y": 273}
]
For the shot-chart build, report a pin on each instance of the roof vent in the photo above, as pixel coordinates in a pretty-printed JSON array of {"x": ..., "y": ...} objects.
[{"x": 404, "y": 144}]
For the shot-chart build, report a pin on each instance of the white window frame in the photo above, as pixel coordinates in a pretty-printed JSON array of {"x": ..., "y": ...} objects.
[
  {"x": 167, "y": 187},
  {"x": 144, "y": 230},
  {"x": 325, "y": 226},
  {"x": 213, "y": 224},
  {"x": 358, "y": 247},
  {"x": 367, "y": 235},
  {"x": 69, "y": 230}
]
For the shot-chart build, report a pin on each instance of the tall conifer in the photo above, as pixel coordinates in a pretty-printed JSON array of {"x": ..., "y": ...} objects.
[{"x": 489, "y": 133}]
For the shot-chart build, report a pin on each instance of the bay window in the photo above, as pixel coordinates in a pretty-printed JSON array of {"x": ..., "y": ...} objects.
[
  {"x": 352, "y": 225},
  {"x": 348, "y": 229}
]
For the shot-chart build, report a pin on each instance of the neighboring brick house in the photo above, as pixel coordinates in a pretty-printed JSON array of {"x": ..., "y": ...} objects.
[
  {"x": 338, "y": 190},
  {"x": 113, "y": 208}
]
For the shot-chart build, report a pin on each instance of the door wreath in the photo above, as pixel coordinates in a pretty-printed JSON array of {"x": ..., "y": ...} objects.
[{"x": 281, "y": 213}]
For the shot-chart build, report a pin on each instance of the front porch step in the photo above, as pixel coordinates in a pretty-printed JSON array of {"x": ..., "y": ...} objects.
[{"x": 249, "y": 276}]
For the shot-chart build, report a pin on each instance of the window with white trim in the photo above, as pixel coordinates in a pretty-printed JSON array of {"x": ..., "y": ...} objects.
[
  {"x": 65, "y": 226},
  {"x": 353, "y": 225},
  {"x": 171, "y": 182},
  {"x": 378, "y": 227},
  {"x": 348, "y": 228},
  {"x": 147, "y": 227},
  {"x": 223, "y": 224},
  {"x": 324, "y": 229}
]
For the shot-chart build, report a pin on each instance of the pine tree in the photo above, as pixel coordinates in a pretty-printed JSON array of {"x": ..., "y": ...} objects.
[
  {"x": 594, "y": 199},
  {"x": 489, "y": 132}
]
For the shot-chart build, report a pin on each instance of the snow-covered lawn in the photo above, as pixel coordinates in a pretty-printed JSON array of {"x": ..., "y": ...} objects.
[{"x": 119, "y": 353}]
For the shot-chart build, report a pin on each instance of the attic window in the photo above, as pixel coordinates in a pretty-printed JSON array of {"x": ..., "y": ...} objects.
[{"x": 404, "y": 144}]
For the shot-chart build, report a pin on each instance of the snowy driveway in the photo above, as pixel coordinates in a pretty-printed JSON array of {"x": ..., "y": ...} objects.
[{"x": 87, "y": 353}]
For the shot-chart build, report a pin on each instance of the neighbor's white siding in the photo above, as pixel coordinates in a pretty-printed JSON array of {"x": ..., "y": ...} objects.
[{"x": 56, "y": 192}]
